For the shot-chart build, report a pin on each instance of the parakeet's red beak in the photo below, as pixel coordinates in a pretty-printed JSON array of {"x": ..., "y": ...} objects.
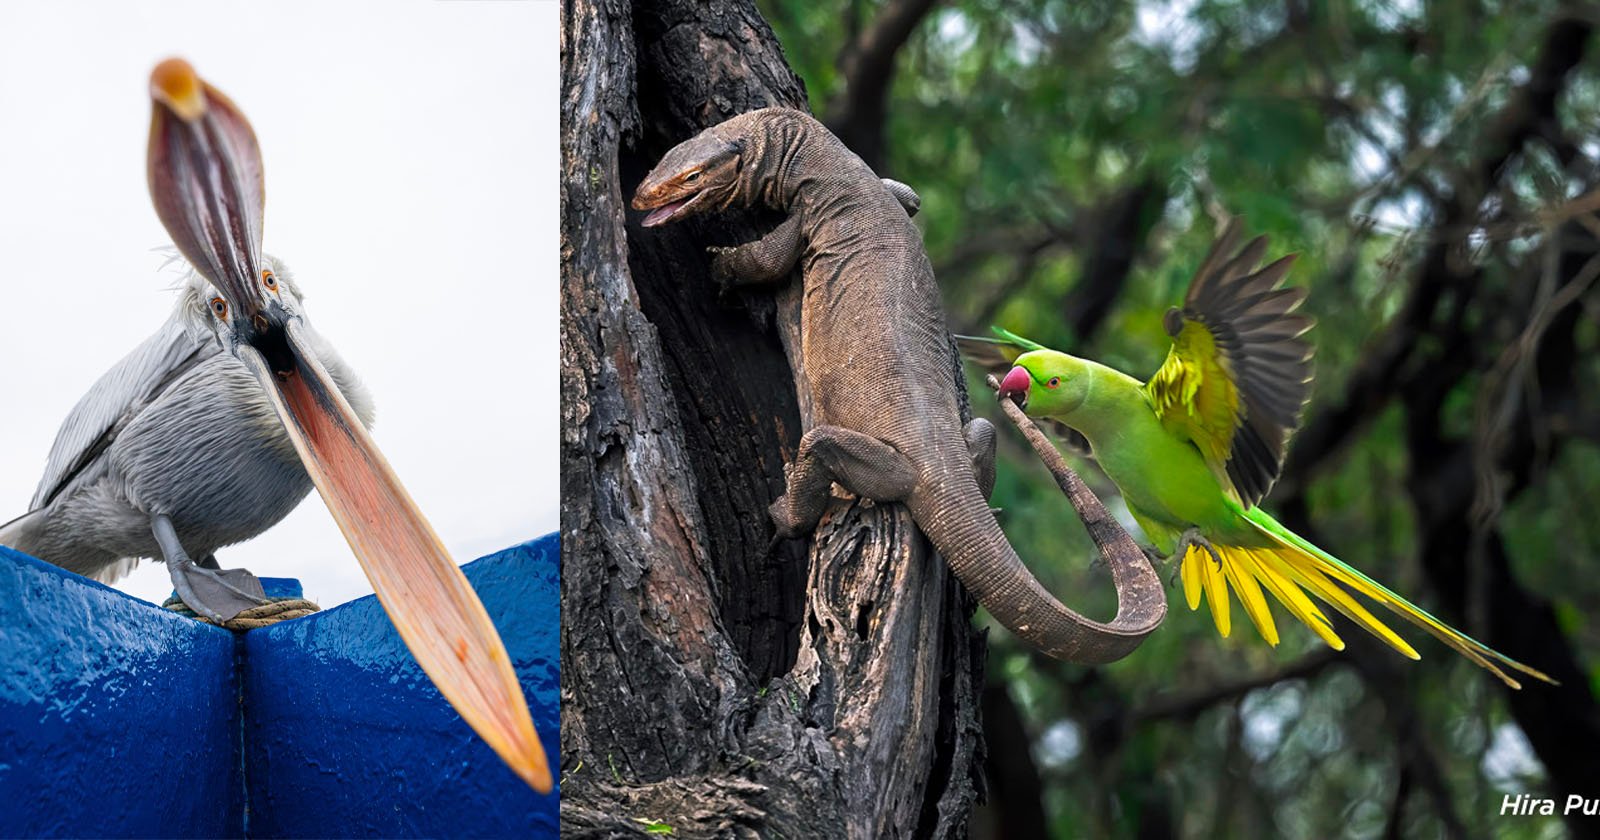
[{"x": 1015, "y": 386}]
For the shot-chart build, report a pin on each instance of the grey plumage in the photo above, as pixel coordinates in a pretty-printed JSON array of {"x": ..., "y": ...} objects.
[{"x": 177, "y": 427}]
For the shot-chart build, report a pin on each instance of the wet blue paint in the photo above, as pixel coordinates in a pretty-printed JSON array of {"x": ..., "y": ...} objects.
[
  {"x": 118, "y": 718},
  {"x": 346, "y": 737},
  {"x": 281, "y": 587}
]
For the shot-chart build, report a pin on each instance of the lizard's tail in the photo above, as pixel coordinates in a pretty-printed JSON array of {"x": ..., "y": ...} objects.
[{"x": 959, "y": 524}]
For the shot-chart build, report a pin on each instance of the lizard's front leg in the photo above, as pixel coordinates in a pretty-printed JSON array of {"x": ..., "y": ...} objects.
[
  {"x": 764, "y": 261},
  {"x": 862, "y": 464}
]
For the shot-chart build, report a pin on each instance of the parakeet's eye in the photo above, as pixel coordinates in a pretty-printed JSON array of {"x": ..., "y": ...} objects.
[
  {"x": 1055, "y": 382},
  {"x": 219, "y": 307},
  {"x": 269, "y": 279}
]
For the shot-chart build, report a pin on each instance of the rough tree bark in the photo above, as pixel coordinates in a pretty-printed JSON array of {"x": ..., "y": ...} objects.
[{"x": 709, "y": 682}]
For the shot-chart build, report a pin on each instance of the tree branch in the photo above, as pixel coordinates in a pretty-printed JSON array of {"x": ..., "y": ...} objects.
[
  {"x": 867, "y": 65},
  {"x": 1119, "y": 238},
  {"x": 1378, "y": 376},
  {"x": 1188, "y": 707},
  {"x": 1016, "y": 803}
]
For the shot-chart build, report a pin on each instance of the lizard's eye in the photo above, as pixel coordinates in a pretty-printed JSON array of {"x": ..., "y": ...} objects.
[
  {"x": 1055, "y": 382},
  {"x": 692, "y": 177},
  {"x": 219, "y": 307},
  {"x": 269, "y": 279}
]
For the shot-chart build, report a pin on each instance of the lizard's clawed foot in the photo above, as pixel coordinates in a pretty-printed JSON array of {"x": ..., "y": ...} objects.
[
  {"x": 722, "y": 267},
  {"x": 785, "y": 526}
]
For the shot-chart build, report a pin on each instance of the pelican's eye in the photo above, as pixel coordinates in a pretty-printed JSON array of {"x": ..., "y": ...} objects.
[
  {"x": 269, "y": 279},
  {"x": 1055, "y": 382},
  {"x": 219, "y": 307}
]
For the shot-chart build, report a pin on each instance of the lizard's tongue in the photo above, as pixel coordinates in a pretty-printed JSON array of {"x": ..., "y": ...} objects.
[{"x": 663, "y": 213}]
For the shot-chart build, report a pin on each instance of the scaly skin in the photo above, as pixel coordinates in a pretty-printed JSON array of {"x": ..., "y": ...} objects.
[{"x": 871, "y": 303}]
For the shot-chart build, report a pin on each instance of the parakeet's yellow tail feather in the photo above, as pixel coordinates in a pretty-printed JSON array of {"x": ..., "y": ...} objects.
[{"x": 1294, "y": 566}]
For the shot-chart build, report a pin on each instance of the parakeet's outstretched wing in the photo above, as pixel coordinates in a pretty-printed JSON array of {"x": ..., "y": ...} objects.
[
  {"x": 1239, "y": 372},
  {"x": 997, "y": 355}
]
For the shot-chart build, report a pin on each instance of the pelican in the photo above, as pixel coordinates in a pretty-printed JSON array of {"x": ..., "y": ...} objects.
[
  {"x": 175, "y": 452},
  {"x": 218, "y": 425}
]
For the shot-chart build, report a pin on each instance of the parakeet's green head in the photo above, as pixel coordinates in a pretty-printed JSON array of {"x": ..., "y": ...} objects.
[{"x": 1047, "y": 383}]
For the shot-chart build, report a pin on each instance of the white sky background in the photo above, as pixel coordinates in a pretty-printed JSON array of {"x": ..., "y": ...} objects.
[{"x": 411, "y": 161}]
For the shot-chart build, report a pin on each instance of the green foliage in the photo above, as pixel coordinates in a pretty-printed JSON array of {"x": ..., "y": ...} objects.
[{"x": 1331, "y": 127}]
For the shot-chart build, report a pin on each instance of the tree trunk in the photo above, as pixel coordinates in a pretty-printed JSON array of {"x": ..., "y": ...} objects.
[{"x": 709, "y": 682}]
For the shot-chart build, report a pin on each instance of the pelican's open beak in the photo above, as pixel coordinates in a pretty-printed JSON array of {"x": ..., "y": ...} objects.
[{"x": 206, "y": 182}]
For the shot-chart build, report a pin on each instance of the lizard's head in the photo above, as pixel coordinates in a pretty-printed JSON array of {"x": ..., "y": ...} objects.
[
  {"x": 699, "y": 174},
  {"x": 1046, "y": 383}
]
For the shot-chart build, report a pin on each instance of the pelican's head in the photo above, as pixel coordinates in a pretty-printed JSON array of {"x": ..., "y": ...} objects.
[
  {"x": 209, "y": 312},
  {"x": 206, "y": 182}
]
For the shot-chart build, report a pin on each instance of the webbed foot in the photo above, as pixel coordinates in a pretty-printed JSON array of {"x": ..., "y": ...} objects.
[
  {"x": 214, "y": 593},
  {"x": 217, "y": 594}
]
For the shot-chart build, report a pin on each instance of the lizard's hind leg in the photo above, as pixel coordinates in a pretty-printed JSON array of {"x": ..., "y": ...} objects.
[
  {"x": 862, "y": 464},
  {"x": 980, "y": 447},
  {"x": 903, "y": 193}
]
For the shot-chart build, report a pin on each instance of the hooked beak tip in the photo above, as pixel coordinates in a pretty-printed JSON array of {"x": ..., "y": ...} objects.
[
  {"x": 1015, "y": 386},
  {"x": 174, "y": 84}
]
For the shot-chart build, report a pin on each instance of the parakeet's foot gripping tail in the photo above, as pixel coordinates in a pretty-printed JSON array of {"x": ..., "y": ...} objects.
[{"x": 1291, "y": 567}]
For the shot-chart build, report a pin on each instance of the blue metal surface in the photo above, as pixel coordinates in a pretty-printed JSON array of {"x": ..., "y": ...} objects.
[
  {"x": 345, "y": 736},
  {"x": 281, "y": 587},
  {"x": 270, "y": 586},
  {"x": 120, "y": 719},
  {"x": 116, "y": 718}
]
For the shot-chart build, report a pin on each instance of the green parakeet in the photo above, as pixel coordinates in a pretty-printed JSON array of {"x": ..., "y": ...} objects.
[{"x": 1195, "y": 449}]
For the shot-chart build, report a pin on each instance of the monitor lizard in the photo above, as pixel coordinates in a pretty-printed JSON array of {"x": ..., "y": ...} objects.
[{"x": 886, "y": 410}]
